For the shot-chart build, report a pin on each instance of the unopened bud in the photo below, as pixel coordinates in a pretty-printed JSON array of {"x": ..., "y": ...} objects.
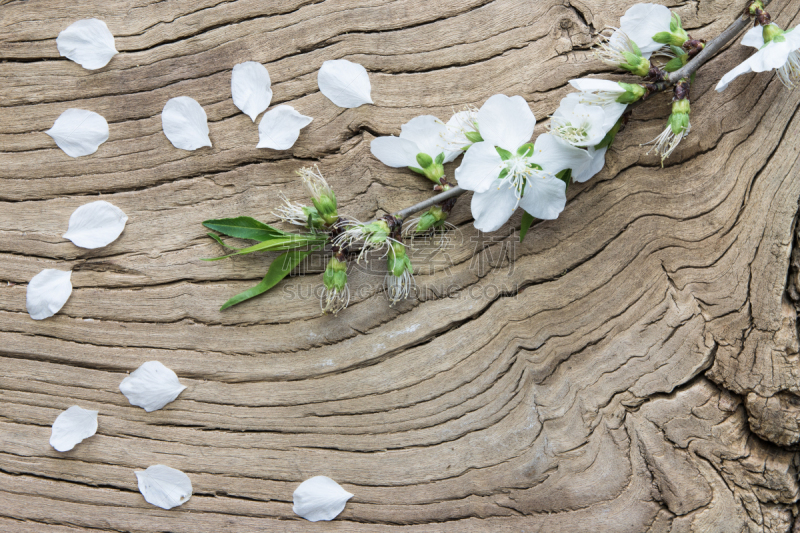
[{"x": 633, "y": 92}]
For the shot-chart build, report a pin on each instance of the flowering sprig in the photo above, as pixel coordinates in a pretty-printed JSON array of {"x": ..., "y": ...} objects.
[{"x": 503, "y": 166}]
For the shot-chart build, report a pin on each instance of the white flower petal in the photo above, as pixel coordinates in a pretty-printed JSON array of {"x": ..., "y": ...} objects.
[
  {"x": 164, "y": 487},
  {"x": 47, "y": 293},
  {"x": 345, "y": 83},
  {"x": 642, "y": 21},
  {"x": 395, "y": 152},
  {"x": 428, "y": 133},
  {"x": 754, "y": 37},
  {"x": 554, "y": 155},
  {"x": 493, "y": 207},
  {"x": 612, "y": 112},
  {"x": 545, "y": 197},
  {"x": 151, "y": 386},
  {"x": 280, "y": 127},
  {"x": 79, "y": 132},
  {"x": 594, "y": 85},
  {"x": 773, "y": 56},
  {"x": 185, "y": 123},
  {"x": 479, "y": 168},
  {"x": 250, "y": 87},
  {"x": 95, "y": 224},
  {"x": 741, "y": 68},
  {"x": 319, "y": 498},
  {"x": 588, "y": 170},
  {"x": 71, "y": 427},
  {"x": 506, "y": 122},
  {"x": 88, "y": 43}
]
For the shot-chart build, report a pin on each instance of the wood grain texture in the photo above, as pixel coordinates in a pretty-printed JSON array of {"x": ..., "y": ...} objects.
[{"x": 633, "y": 366}]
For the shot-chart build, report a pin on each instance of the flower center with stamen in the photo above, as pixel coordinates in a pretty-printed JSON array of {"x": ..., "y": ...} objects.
[
  {"x": 573, "y": 133},
  {"x": 518, "y": 170}
]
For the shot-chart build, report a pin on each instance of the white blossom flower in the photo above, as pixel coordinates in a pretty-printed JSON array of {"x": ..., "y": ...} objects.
[
  {"x": 319, "y": 498},
  {"x": 523, "y": 175},
  {"x": 163, "y": 486},
  {"x": 345, "y": 83},
  {"x": 87, "y": 42},
  {"x": 420, "y": 146},
  {"x": 79, "y": 132},
  {"x": 95, "y": 225},
  {"x": 47, "y": 293},
  {"x": 583, "y": 124},
  {"x": 780, "y": 52},
  {"x": 72, "y": 427}
]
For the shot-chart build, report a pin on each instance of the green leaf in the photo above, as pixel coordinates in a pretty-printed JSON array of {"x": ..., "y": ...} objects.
[
  {"x": 473, "y": 136},
  {"x": 424, "y": 160},
  {"x": 417, "y": 170},
  {"x": 278, "y": 270},
  {"x": 526, "y": 150},
  {"x": 244, "y": 228},
  {"x": 503, "y": 174},
  {"x": 673, "y": 64},
  {"x": 565, "y": 176},
  {"x": 675, "y": 23},
  {"x": 504, "y": 154},
  {"x": 635, "y": 48},
  {"x": 219, "y": 241},
  {"x": 439, "y": 159},
  {"x": 276, "y": 245},
  {"x": 527, "y": 220}
]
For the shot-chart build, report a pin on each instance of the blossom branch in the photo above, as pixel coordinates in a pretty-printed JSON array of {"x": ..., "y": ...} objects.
[{"x": 712, "y": 47}]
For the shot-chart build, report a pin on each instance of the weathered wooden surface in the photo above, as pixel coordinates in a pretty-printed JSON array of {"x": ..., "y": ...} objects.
[{"x": 612, "y": 373}]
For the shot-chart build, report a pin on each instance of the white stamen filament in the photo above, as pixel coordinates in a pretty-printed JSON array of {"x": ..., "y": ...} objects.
[
  {"x": 789, "y": 73},
  {"x": 571, "y": 133},
  {"x": 667, "y": 142},
  {"x": 519, "y": 173},
  {"x": 333, "y": 300},
  {"x": 314, "y": 181},
  {"x": 291, "y": 212},
  {"x": 399, "y": 287},
  {"x": 610, "y": 49}
]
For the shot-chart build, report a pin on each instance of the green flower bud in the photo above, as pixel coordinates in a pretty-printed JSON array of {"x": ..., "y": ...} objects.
[
  {"x": 679, "y": 118},
  {"x": 755, "y": 6},
  {"x": 633, "y": 92},
  {"x": 335, "y": 276},
  {"x": 772, "y": 32},
  {"x": 326, "y": 207},
  {"x": 397, "y": 261},
  {"x": 676, "y": 35}
]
